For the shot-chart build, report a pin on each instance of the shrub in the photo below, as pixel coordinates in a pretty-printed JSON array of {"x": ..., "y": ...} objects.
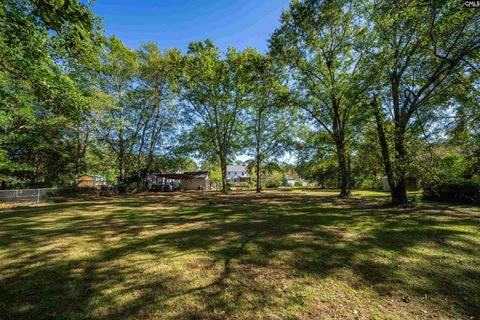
[
  {"x": 370, "y": 182},
  {"x": 75, "y": 191},
  {"x": 71, "y": 191},
  {"x": 462, "y": 191},
  {"x": 273, "y": 184}
]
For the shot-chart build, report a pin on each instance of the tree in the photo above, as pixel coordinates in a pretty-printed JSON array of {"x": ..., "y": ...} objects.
[
  {"x": 215, "y": 91},
  {"x": 318, "y": 42},
  {"x": 464, "y": 125},
  {"x": 141, "y": 123},
  {"x": 316, "y": 158},
  {"x": 157, "y": 115},
  {"x": 40, "y": 100},
  {"x": 116, "y": 126},
  {"x": 269, "y": 118},
  {"x": 418, "y": 52}
]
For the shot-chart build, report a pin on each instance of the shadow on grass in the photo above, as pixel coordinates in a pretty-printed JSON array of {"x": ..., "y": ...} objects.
[{"x": 202, "y": 255}]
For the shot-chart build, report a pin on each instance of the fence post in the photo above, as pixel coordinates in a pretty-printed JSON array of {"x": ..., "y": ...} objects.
[{"x": 38, "y": 195}]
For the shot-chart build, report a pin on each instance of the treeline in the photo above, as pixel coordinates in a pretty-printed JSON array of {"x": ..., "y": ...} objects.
[{"x": 353, "y": 89}]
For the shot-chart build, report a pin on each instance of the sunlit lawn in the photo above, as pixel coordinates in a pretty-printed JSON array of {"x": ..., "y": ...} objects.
[{"x": 286, "y": 254}]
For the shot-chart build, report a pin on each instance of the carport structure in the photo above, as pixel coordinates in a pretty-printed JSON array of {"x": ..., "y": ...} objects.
[{"x": 197, "y": 180}]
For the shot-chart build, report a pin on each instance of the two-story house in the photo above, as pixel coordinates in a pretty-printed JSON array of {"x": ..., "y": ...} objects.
[{"x": 237, "y": 173}]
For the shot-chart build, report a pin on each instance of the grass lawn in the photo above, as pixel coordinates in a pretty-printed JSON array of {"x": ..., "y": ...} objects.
[{"x": 286, "y": 254}]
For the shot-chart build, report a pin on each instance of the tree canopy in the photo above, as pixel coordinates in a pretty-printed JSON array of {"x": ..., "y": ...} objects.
[{"x": 351, "y": 90}]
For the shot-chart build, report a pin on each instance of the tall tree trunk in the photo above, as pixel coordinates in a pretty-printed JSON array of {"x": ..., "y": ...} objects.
[
  {"x": 121, "y": 166},
  {"x": 343, "y": 169},
  {"x": 259, "y": 177},
  {"x": 396, "y": 181},
  {"x": 156, "y": 129},
  {"x": 399, "y": 192},
  {"x": 338, "y": 133},
  {"x": 81, "y": 150},
  {"x": 223, "y": 165},
  {"x": 140, "y": 181},
  {"x": 258, "y": 160}
]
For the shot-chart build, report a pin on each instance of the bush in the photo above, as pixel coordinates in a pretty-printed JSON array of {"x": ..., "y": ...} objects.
[
  {"x": 273, "y": 184},
  {"x": 370, "y": 182},
  {"x": 75, "y": 191},
  {"x": 70, "y": 191},
  {"x": 464, "y": 191}
]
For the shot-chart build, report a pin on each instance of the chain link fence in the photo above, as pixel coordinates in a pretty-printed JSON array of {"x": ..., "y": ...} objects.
[{"x": 25, "y": 195}]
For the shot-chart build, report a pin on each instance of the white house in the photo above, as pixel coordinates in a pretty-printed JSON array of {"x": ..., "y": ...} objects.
[
  {"x": 289, "y": 181},
  {"x": 304, "y": 183},
  {"x": 237, "y": 173}
]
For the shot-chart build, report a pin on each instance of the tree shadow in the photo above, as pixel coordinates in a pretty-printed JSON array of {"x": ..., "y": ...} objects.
[{"x": 202, "y": 255}]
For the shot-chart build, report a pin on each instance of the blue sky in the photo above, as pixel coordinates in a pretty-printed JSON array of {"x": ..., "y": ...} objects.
[{"x": 175, "y": 23}]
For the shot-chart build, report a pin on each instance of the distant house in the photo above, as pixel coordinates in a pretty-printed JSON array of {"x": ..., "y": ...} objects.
[
  {"x": 304, "y": 183},
  {"x": 238, "y": 173},
  {"x": 411, "y": 184},
  {"x": 289, "y": 181},
  {"x": 198, "y": 180},
  {"x": 291, "y": 178},
  {"x": 91, "y": 181}
]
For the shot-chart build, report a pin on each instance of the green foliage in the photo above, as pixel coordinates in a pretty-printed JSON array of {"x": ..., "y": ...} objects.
[
  {"x": 317, "y": 160},
  {"x": 420, "y": 56},
  {"x": 324, "y": 171},
  {"x": 459, "y": 191},
  {"x": 173, "y": 163},
  {"x": 41, "y": 44},
  {"x": 215, "y": 92},
  {"x": 274, "y": 174},
  {"x": 338, "y": 72},
  {"x": 452, "y": 166},
  {"x": 143, "y": 116},
  {"x": 319, "y": 41},
  {"x": 76, "y": 27},
  {"x": 367, "y": 167},
  {"x": 270, "y": 116}
]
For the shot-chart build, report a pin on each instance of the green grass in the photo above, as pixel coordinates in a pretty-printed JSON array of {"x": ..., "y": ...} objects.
[{"x": 289, "y": 254}]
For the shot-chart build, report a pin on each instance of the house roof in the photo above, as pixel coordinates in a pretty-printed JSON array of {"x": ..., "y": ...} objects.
[
  {"x": 236, "y": 167},
  {"x": 197, "y": 175},
  {"x": 185, "y": 175},
  {"x": 94, "y": 177},
  {"x": 173, "y": 176}
]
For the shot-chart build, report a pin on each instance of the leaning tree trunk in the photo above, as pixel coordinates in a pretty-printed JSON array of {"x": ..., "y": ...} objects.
[{"x": 396, "y": 180}]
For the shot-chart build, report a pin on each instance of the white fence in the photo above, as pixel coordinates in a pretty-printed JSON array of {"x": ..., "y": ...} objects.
[{"x": 25, "y": 195}]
